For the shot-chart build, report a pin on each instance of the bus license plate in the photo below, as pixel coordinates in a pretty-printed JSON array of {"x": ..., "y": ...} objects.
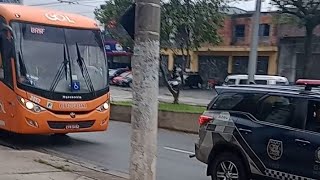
[{"x": 72, "y": 126}]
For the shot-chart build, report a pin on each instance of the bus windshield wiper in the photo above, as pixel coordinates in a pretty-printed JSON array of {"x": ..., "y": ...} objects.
[
  {"x": 63, "y": 66},
  {"x": 23, "y": 69},
  {"x": 84, "y": 70}
]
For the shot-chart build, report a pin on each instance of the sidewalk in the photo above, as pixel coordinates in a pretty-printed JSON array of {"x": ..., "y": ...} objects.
[
  {"x": 31, "y": 165},
  {"x": 192, "y": 97}
]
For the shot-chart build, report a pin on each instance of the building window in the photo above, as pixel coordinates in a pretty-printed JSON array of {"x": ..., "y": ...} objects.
[
  {"x": 264, "y": 30},
  {"x": 115, "y": 62},
  {"x": 180, "y": 61},
  {"x": 240, "y": 31},
  {"x": 213, "y": 68},
  {"x": 240, "y": 65},
  {"x": 262, "y": 65}
]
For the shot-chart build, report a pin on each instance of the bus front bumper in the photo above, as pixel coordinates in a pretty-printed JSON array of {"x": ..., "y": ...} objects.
[{"x": 49, "y": 123}]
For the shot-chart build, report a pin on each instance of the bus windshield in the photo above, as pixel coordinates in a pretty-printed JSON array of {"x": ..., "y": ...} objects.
[{"x": 53, "y": 58}]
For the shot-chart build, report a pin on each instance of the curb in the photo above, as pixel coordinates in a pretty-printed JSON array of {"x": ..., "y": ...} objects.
[
  {"x": 70, "y": 159},
  {"x": 7, "y": 144},
  {"x": 84, "y": 164}
]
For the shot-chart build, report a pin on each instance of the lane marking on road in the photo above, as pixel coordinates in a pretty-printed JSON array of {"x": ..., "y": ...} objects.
[{"x": 178, "y": 150}]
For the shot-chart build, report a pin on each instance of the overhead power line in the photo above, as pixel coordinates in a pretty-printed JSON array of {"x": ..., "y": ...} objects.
[
  {"x": 78, "y": 2},
  {"x": 45, "y": 4},
  {"x": 92, "y": 1}
]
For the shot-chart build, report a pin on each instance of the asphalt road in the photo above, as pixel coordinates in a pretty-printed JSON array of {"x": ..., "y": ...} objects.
[{"x": 111, "y": 150}]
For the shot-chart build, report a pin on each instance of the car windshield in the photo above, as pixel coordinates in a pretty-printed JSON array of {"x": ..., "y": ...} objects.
[
  {"x": 112, "y": 72},
  {"x": 129, "y": 76},
  {"x": 230, "y": 82},
  {"x": 48, "y": 55}
]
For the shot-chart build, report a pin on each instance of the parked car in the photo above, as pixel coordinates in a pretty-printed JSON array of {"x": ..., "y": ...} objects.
[
  {"x": 190, "y": 81},
  {"x": 112, "y": 73},
  {"x": 262, "y": 131},
  {"x": 126, "y": 81},
  {"x": 193, "y": 81},
  {"x": 115, "y": 73},
  {"x": 119, "y": 79},
  {"x": 259, "y": 79}
]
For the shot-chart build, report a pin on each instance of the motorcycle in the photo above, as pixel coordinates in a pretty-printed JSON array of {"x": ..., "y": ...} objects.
[{"x": 175, "y": 83}]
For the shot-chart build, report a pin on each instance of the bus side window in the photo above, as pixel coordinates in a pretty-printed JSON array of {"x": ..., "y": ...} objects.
[
  {"x": 5, "y": 55},
  {"x": 1, "y": 66},
  {"x": 2, "y": 63}
]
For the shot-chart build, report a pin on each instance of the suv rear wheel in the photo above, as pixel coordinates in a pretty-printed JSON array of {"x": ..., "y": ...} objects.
[{"x": 227, "y": 166}]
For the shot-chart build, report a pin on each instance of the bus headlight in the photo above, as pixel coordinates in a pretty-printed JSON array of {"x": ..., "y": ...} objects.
[
  {"x": 30, "y": 105},
  {"x": 104, "y": 106}
]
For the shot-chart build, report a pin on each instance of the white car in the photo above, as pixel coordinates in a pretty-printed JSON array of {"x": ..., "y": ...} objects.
[{"x": 259, "y": 79}]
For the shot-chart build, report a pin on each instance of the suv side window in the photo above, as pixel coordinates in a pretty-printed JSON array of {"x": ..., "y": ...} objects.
[
  {"x": 313, "y": 116},
  {"x": 226, "y": 101},
  {"x": 277, "y": 110},
  {"x": 243, "y": 102},
  {"x": 243, "y": 81},
  {"x": 262, "y": 82}
]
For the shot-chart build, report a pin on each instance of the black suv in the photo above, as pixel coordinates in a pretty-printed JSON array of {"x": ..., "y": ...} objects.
[{"x": 269, "y": 132}]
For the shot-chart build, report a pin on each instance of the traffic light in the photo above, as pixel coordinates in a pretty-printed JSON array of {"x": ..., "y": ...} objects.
[{"x": 127, "y": 20}]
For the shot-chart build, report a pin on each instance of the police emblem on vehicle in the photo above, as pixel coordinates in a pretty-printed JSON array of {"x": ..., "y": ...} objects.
[
  {"x": 317, "y": 155},
  {"x": 274, "y": 149}
]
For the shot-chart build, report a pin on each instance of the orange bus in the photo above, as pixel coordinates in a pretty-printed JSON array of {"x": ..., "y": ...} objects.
[{"x": 53, "y": 72}]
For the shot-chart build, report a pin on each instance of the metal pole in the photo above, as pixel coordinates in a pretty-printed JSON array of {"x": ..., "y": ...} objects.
[
  {"x": 145, "y": 68},
  {"x": 252, "y": 66}
]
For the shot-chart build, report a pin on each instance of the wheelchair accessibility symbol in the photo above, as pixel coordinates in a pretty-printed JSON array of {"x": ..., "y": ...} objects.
[{"x": 75, "y": 86}]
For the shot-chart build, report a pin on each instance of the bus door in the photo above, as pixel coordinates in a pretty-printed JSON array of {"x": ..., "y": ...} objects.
[{"x": 7, "y": 95}]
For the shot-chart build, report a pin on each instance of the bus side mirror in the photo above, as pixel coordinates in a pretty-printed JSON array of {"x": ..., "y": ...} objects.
[
  {"x": 7, "y": 31},
  {"x": 7, "y": 38},
  {"x": 127, "y": 20},
  {"x": 6, "y": 28}
]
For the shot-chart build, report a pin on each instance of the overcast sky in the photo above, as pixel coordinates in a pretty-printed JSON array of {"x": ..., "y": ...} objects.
[{"x": 86, "y": 7}]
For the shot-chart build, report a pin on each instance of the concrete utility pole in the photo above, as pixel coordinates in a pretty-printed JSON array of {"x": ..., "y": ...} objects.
[
  {"x": 145, "y": 68},
  {"x": 252, "y": 66}
]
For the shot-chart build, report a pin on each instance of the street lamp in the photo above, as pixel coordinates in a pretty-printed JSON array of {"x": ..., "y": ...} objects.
[{"x": 252, "y": 65}]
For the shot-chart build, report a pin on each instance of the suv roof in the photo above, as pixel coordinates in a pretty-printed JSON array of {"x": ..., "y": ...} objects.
[{"x": 296, "y": 90}]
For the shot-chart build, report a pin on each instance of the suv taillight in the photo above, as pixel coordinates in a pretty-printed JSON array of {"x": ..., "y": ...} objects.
[{"x": 204, "y": 119}]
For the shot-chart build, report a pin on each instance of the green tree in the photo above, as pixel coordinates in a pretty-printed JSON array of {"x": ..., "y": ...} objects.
[
  {"x": 185, "y": 26},
  {"x": 109, "y": 14},
  {"x": 111, "y": 10},
  {"x": 305, "y": 13}
]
